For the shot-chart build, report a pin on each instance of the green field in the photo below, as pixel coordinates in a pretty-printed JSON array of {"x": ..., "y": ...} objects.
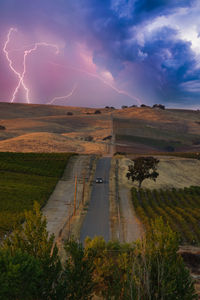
[
  {"x": 25, "y": 178},
  {"x": 180, "y": 208}
]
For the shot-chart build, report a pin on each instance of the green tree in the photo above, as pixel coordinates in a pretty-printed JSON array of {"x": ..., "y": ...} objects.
[
  {"x": 76, "y": 281},
  {"x": 112, "y": 267},
  {"x": 20, "y": 276},
  {"x": 143, "y": 168},
  {"x": 158, "y": 271},
  {"x": 32, "y": 238}
]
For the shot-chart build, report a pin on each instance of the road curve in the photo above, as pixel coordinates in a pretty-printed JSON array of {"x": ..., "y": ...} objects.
[{"x": 96, "y": 222}]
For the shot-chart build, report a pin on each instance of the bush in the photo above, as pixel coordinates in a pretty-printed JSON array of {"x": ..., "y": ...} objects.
[
  {"x": 119, "y": 153},
  {"x": 160, "y": 106},
  {"x": 2, "y": 127},
  {"x": 89, "y": 138},
  {"x": 144, "y": 105},
  {"x": 70, "y": 113},
  {"x": 109, "y": 137},
  {"x": 97, "y": 112}
]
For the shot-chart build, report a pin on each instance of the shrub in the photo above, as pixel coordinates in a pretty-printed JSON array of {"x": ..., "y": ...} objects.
[
  {"x": 160, "y": 106},
  {"x": 89, "y": 138},
  {"x": 97, "y": 112},
  {"x": 109, "y": 137}
]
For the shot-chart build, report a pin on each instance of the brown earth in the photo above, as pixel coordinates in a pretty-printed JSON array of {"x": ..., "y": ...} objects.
[
  {"x": 145, "y": 130},
  {"x": 44, "y": 128},
  {"x": 47, "y": 128}
]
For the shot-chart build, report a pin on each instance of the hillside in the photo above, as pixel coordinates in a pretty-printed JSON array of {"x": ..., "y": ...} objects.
[
  {"x": 46, "y": 128},
  {"x": 143, "y": 130}
]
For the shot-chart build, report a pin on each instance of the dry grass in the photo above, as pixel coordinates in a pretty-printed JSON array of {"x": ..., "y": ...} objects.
[
  {"x": 174, "y": 172},
  {"x": 42, "y": 128},
  {"x": 113, "y": 208},
  {"x": 45, "y": 128}
]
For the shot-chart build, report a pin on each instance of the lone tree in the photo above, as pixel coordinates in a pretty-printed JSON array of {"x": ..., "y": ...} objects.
[{"x": 143, "y": 168}]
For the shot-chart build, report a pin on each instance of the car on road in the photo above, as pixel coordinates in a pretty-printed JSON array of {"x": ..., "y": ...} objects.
[{"x": 99, "y": 180}]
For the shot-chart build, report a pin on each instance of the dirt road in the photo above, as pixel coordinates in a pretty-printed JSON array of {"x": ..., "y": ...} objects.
[
  {"x": 124, "y": 223},
  {"x": 96, "y": 222},
  {"x": 60, "y": 203},
  {"x": 132, "y": 229}
]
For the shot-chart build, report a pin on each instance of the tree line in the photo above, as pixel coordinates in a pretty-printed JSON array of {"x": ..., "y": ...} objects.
[{"x": 150, "y": 268}]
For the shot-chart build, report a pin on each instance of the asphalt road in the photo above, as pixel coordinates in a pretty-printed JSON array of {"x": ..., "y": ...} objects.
[{"x": 96, "y": 222}]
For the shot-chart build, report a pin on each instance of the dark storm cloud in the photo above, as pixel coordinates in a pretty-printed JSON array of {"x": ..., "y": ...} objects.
[
  {"x": 117, "y": 33},
  {"x": 171, "y": 57}
]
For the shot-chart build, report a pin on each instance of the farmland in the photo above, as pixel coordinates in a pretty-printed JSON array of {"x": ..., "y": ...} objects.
[
  {"x": 25, "y": 178},
  {"x": 180, "y": 208}
]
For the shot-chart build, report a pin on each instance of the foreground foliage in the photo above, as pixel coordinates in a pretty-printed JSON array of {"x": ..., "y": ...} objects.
[
  {"x": 180, "y": 208},
  {"x": 29, "y": 262},
  {"x": 25, "y": 178},
  {"x": 30, "y": 267}
]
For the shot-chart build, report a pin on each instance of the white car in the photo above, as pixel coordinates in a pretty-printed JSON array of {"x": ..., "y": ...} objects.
[{"x": 99, "y": 180}]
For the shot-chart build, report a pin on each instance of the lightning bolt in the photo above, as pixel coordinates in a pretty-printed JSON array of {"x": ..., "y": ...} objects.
[
  {"x": 21, "y": 76},
  {"x": 119, "y": 91},
  {"x": 64, "y": 97}
]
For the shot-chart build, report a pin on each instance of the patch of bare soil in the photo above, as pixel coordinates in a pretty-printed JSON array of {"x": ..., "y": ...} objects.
[
  {"x": 125, "y": 226},
  {"x": 174, "y": 172},
  {"x": 131, "y": 225},
  {"x": 67, "y": 206},
  {"x": 61, "y": 203}
]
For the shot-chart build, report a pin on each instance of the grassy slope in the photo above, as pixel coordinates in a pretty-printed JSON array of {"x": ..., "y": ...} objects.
[
  {"x": 25, "y": 178},
  {"x": 166, "y": 130}
]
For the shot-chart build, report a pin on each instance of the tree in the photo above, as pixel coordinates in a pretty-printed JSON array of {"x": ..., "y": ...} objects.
[
  {"x": 143, "y": 168},
  {"x": 112, "y": 266},
  {"x": 160, "y": 106},
  {"x": 158, "y": 271},
  {"x": 33, "y": 239},
  {"x": 76, "y": 281},
  {"x": 20, "y": 276},
  {"x": 97, "y": 112}
]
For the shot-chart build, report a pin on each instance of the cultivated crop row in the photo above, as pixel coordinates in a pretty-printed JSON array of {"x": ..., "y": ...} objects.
[
  {"x": 25, "y": 178},
  {"x": 180, "y": 208}
]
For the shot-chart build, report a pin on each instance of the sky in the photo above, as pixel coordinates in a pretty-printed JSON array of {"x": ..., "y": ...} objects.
[{"x": 100, "y": 52}]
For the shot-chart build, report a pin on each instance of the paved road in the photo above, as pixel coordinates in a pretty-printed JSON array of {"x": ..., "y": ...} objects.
[{"x": 96, "y": 222}]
